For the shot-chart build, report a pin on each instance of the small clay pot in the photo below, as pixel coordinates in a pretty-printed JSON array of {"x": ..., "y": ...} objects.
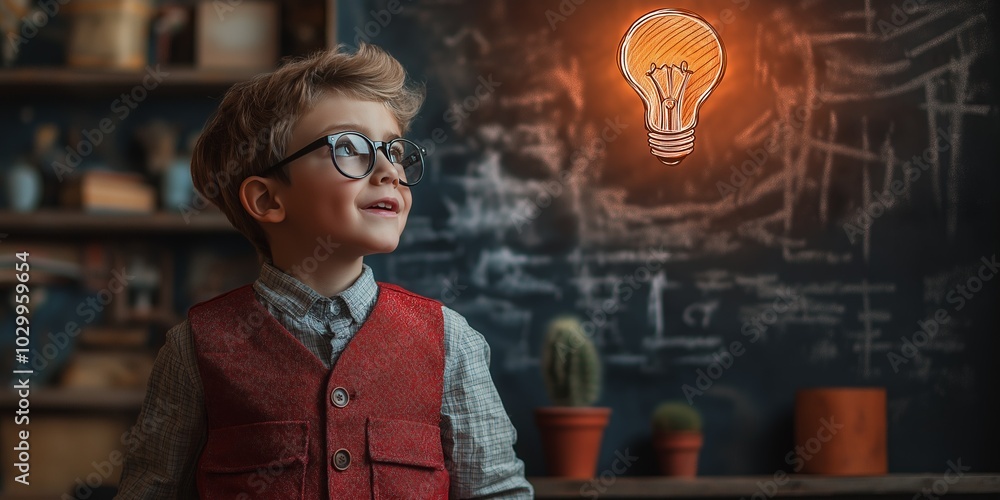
[
  {"x": 571, "y": 439},
  {"x": 841, "y": 431},
  {"x": 678, "y": 452}
]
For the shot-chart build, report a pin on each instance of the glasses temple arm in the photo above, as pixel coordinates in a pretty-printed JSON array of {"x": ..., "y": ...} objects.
[{"x": 309, "y": 148}]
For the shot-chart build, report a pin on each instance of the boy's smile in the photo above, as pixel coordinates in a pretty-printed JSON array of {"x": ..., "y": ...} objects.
[{"x": 385, "y": 207}]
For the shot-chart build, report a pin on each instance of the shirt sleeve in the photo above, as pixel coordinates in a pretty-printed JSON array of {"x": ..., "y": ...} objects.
[
  {"x": 163, "y": 447},
  {"x": 477, "y": 435}
]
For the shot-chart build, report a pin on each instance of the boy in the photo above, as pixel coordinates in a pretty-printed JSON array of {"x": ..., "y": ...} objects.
[{"x": 317, "y": 381}]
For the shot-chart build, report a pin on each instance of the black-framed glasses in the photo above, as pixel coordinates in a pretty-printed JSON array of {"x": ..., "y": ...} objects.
[{"x": 353, "y": 154}]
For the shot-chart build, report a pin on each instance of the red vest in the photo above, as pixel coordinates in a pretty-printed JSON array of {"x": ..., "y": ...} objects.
[{"x": 283, "y": 426}]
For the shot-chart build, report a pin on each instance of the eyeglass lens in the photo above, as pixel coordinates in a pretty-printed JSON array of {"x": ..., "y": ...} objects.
[{"x": 353, "y": 154}]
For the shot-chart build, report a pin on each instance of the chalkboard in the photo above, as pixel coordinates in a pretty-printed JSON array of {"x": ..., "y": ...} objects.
[{"x": 841, "y": 193}]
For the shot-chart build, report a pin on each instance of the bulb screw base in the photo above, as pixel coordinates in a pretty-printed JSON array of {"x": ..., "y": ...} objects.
[{"x": 671, "y": 146}]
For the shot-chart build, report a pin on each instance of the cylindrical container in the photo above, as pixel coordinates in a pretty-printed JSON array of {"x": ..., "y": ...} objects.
[
  {"x": 678, "y": 452},
  {"x": 841, "y": 431},
  {"x": 109, "y": 34},
  {"x": 571, "y": 439},
  {"x": 24, "y": 187}
]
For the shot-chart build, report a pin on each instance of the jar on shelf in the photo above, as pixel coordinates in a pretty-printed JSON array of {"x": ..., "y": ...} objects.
[
  {"x": 24, "y": 187},
  {"x": 110, "y": 34}
]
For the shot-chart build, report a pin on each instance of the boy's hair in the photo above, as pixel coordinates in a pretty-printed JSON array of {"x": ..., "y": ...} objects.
[{"x": 253, "y": 124}]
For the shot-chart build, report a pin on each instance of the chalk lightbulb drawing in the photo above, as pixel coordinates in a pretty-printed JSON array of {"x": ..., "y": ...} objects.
[{"x": 673, "y": 59}]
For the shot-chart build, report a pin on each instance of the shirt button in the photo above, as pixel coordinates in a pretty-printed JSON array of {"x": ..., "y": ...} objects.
[
  {"x": 334, "y": 308},
  {"x": 340, "y": 397},
  {"x": 341, "y": 459}
]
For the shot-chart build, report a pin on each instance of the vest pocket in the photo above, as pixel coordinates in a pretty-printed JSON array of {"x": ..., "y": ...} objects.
[
  {"x": 261, "y": 460},
  {"x": 407, "y": 459}
]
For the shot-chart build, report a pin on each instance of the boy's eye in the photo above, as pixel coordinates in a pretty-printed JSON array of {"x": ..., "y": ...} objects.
[
  {"x": 345, "y": 150},
  {"x": 396, "y": 153},
  {"x": 350, "y": 145}
]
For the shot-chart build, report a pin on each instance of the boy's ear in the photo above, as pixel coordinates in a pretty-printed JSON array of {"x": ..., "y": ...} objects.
[{"x": 259, "y": 196}]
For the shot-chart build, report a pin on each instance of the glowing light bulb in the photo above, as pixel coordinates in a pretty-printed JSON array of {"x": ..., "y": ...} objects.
[{"x": 673, "y": 59}]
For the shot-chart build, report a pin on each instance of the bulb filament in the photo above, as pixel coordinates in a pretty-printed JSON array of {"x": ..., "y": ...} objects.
[{"x": 670, "y": 82}]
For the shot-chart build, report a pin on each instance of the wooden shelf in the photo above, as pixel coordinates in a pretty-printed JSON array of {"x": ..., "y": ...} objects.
[
  {"x": 58, "y": 223},
  {"x": 37, "y": 79},
  {"x": 984, "y": 486},
  {"x": 76, "y": 399},
  {"x": 987, "y": 485}
]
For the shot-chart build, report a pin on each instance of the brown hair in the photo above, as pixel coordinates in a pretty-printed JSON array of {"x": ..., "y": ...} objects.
[{"x": 253, "y": 124}]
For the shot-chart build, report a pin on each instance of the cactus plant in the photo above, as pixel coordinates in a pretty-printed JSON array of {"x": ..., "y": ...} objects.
[
  {"x": 676, "y": 416},
  {"x": 570, "y": 364},
  {"x": 677, "y": 438}
]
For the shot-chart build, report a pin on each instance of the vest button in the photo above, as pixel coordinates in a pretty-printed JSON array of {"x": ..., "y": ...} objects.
[
  {"x": 341, "y": 459},
  {"x": 340, "y": 397}
]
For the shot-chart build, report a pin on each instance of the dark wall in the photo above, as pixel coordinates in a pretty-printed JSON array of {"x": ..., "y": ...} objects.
[{"x": 543, "y": 199}]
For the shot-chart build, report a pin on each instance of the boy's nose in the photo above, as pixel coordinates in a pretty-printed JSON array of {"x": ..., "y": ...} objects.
[{"x": 384, "y": 171}]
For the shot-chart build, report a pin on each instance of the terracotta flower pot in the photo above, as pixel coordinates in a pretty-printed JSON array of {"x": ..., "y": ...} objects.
[
  {"x": 841, "y": 431},
  {"x": 571, "y": 439},
  {"x": 678, "y": 452}
]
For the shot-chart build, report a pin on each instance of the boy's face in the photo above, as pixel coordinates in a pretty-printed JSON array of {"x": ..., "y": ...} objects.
[{"x": 323, "y": 203}]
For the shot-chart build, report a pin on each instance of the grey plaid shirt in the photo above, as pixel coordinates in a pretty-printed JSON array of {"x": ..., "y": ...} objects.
[{"x": 476, "y": 434}]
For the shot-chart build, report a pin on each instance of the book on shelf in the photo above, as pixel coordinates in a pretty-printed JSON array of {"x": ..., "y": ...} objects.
[
  {"x": 47, "y": 263},
  {"x": 114, "y": 336},
  {"x": 100, "y": 191},
  {"x": 103, "y": 369}
]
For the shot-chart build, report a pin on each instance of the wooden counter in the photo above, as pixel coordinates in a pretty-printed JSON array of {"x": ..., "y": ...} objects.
[{"x": 891, "y": 486}]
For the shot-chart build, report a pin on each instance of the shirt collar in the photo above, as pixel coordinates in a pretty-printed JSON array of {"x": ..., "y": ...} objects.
[{"x": 295, "y": 298}]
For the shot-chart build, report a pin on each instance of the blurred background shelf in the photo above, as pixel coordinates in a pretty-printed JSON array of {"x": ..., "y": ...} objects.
[
  {"x": 69, "y": 222},
  {"x": 77, "y": 399},
  {"x": 28, "y": 80},
  {"x": 889, "y": 486},
  {"x": 24, "y": 496},
  {"x": 123, "y": 246}
]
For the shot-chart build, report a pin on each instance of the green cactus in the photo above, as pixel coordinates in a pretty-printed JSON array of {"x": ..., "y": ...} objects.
[
  {"x": 675, "y": 416},
  {"x": 570, "y": 365}
]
